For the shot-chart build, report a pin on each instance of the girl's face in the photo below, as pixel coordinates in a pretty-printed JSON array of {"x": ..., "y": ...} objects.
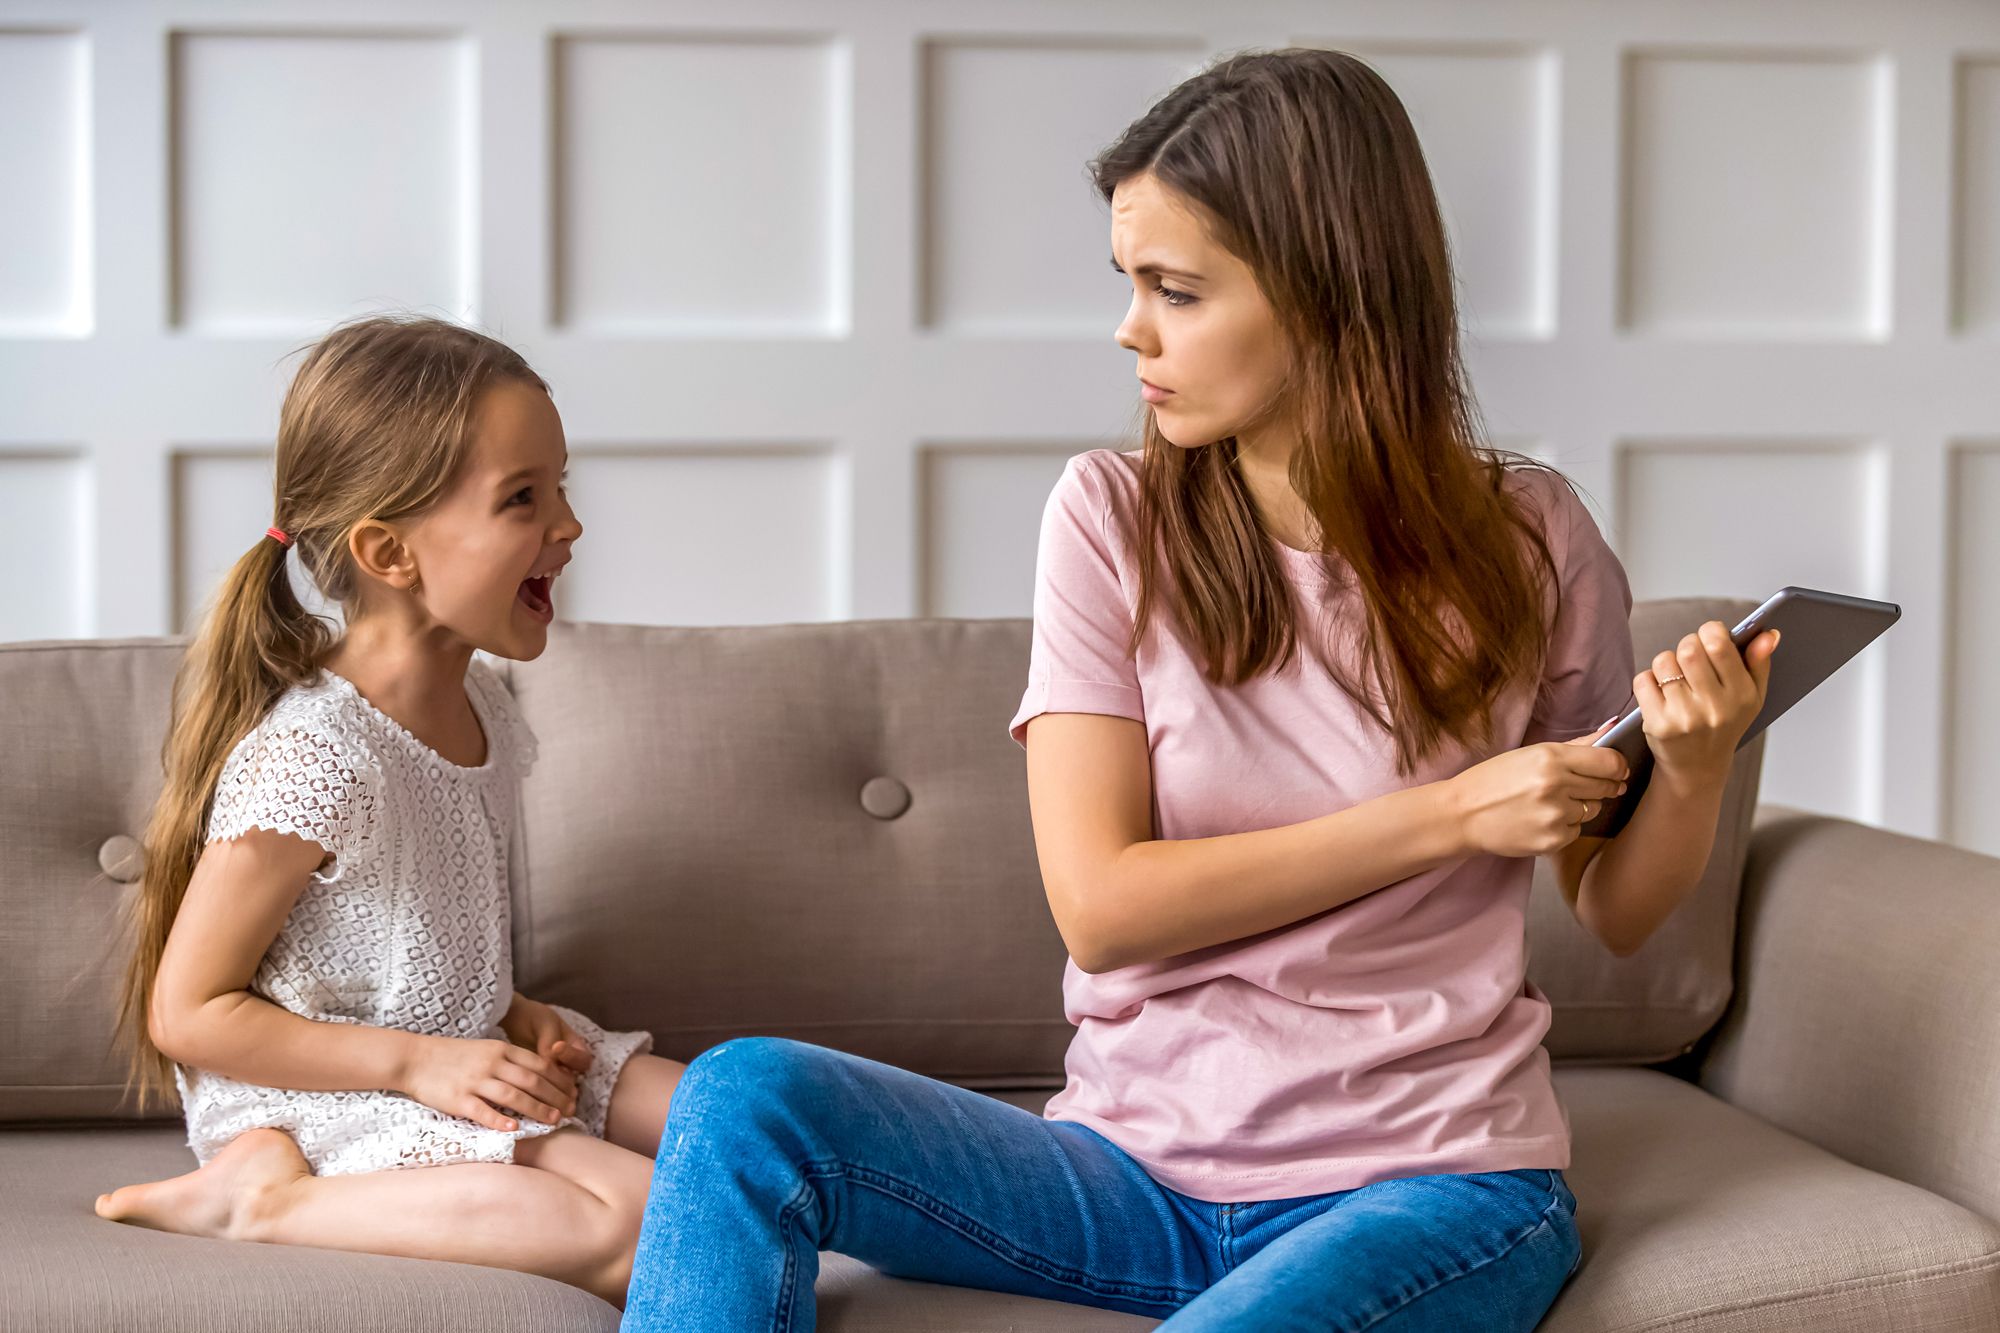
[
  {"x": 1211, "y": 353},
  {"x": 487, "y": 554}
]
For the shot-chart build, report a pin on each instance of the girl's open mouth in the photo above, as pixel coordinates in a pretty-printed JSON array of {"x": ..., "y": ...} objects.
[{"x": 536, "y": 595}]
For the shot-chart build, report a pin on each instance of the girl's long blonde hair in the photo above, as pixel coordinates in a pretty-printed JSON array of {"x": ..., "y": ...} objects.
[{"x": 374, "y": 426}]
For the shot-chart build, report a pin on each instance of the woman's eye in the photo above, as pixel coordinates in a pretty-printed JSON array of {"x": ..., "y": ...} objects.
[{"x": 1171, "y": 296}]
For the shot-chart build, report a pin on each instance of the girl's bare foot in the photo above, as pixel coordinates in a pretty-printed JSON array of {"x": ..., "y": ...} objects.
[{"x": 234, "y": 1197}]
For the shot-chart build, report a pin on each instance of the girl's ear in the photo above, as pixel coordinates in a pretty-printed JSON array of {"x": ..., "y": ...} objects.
[{"x": 381, "y": 554}]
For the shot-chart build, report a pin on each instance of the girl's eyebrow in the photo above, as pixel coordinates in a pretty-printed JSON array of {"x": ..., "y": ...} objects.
[{"x": 526, "y": 474}]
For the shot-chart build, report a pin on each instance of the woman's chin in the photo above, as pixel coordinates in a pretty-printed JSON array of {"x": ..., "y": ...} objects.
[{"x": 1181, "y": 437}]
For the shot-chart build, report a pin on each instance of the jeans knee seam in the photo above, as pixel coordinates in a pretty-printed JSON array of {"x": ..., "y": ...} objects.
[
  {"x": 781, "y": 1318},
  {"x": 1541, "y": 1225},
  {"x": 991, "y": 1241}
]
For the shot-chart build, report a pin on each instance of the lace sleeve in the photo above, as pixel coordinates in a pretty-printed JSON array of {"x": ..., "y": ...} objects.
[{"x": 290, "y": 777}]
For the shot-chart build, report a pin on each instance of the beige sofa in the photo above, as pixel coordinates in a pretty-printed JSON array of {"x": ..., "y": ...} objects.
[{"x": 1786, "y": 1107}]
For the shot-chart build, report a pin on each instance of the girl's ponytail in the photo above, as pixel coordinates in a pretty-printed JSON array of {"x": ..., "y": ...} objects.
[
  {"x": 255, "y": 641},
  {"x": 374, "y": 425}
]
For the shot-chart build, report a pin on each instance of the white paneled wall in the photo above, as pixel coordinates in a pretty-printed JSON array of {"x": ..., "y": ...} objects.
[{"x": 822, "y": 290}]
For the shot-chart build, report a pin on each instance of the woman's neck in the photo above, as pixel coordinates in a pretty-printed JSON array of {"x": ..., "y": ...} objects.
[{"x": 1264, "y": 459}]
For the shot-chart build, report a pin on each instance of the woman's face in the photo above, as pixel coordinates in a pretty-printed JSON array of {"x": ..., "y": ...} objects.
[{"x": 1208, "y": 343}]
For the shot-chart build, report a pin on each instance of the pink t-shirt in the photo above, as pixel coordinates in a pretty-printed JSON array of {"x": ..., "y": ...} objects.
[{"x": 1395, "y": 1035}]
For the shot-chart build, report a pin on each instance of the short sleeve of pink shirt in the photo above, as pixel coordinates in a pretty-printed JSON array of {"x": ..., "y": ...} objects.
[{"x": 1395, "y": 1035}]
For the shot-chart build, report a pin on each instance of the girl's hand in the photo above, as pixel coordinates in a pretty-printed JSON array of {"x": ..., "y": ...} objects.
[
  {"x": 540, "y": 1028},
  {"x": 484, "y": 1080},
  {"x": 1532, "y": 801},
  {"x": 1694, "y": 722}
]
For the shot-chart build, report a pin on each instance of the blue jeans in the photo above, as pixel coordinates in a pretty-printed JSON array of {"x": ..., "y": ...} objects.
[{"x": 775, "y": 1150}]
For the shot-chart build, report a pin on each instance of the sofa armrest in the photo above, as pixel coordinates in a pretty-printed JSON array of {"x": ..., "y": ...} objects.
[{"x": 1866, "y": 1015}]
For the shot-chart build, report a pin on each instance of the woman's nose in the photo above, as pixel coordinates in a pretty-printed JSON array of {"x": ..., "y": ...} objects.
[{"x": 1130, "y": 331}]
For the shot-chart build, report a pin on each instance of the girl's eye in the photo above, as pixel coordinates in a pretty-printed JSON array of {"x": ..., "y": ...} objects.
[
  {"x": 525, "y": 490},
  {"x": 1173, "y": 297}
]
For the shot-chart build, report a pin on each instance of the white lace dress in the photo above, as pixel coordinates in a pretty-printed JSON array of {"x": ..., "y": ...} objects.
[{"x": 406, "y": 928}]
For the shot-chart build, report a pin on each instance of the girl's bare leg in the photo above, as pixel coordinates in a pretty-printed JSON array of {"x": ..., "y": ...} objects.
[
  {"x": 569, "y": 1206},
  {"x": 639, "y": 1100}
]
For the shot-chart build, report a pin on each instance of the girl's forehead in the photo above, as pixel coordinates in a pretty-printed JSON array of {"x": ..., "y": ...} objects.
[{"x": 516, "y": 426}]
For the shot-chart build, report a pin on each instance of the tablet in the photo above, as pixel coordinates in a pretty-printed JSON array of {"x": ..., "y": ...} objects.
[{"x": 1821, "y": 630}]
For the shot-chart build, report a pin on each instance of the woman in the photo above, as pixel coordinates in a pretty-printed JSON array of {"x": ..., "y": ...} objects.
[{"x": 1313, "y": 675}]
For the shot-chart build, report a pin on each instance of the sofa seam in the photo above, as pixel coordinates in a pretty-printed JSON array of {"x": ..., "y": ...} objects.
[{"x": 1988, "y": 1262}]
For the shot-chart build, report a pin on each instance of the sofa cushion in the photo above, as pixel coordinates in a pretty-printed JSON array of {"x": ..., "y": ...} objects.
[
  {"x": 1695, "y": 1216},
  {"x": 699, "y": 859},
  {"x": 1657, "y": 1003},
  {"x": 80, "y": 744}
]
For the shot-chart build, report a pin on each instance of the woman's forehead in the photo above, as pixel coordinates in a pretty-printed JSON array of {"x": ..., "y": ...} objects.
[{"x": 1159, "y": 229}]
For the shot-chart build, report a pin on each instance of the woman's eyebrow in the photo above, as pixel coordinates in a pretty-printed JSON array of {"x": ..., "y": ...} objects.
[{"x": 1156, "y": 270}]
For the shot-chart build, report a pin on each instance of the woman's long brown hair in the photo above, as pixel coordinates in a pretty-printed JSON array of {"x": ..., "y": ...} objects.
[
  {"x": 1304, "y": 165},
  {"x": 375, "y": 424}
]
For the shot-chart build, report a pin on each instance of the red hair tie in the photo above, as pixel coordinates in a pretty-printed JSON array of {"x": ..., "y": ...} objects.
[{"x": 278, "y": 536}]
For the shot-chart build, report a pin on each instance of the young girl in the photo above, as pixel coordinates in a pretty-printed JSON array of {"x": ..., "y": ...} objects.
[
  {"x": 1308, "y": 677},
  {"x": 322, "y": 959}
]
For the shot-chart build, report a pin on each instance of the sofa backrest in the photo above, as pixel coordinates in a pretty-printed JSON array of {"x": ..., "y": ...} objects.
[{"x": 818, "y": 831}]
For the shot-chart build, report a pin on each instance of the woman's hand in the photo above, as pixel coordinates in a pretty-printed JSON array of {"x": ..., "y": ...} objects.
[
  {"x": 1532, "y": 801},
  {"x": 1698, "y": 699},
  {"x": 540, "y": 1028},
  {"x": 484, "y": 1080}
]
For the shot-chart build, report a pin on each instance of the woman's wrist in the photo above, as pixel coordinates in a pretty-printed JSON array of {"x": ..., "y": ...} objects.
[{"x": 1448, "y": 819}]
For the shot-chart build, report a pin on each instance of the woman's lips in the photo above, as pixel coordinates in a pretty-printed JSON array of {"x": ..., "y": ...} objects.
[{"x": 1153, "y": 393}]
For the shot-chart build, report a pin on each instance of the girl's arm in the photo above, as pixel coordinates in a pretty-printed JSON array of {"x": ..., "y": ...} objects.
[
  {"x": 202, "y": 1012},
  {"x": 1120, "y": 896}
]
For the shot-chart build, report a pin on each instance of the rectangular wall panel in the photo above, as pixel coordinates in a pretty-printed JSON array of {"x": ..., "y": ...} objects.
[
  {"x": 702, "y": 186},
  {"x": 221, "y": 506},
  {"x": 1756, "y": 189},
  {"x": 45, "y": 214},
  {"x": 1808, "y": 513},
  {"x": 319, "y": 176},
  {"x": 1972, "y": 778},
  {"x": 1015, "y": 238},
  {"x": 1977, "y": 224},
  {"x": 45, "y": 546},
  {"x": 687, "y": 536},
  {"x": 982, "y": 519}
]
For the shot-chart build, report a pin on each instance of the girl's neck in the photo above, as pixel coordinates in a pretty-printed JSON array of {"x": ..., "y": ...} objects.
[{"x": 421, "y": 685}]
